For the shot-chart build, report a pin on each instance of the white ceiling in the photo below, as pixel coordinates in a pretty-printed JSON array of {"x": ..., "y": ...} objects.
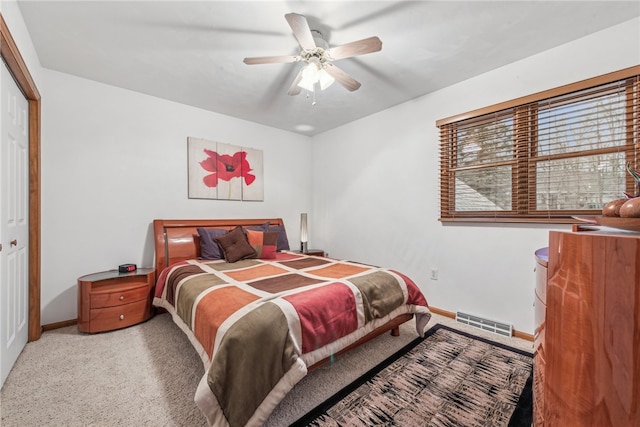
[{"x": 191, "y": 52}]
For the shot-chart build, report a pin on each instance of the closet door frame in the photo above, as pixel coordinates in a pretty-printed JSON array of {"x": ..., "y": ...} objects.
[{"x": 16, "y": 65}]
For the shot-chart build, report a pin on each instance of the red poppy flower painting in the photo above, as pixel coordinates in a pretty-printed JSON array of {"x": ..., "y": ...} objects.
[
  {"x": 225, "y": 167},
  {"x": 223, "y": 171}
]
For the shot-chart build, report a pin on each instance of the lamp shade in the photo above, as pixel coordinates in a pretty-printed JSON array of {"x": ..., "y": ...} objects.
[
  {"x": 309, "y": 77},
  {"x": 325, "y": 79},
  {"x": 304, "y": 237}
]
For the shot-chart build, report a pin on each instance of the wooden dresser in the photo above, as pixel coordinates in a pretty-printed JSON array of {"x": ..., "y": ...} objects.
[
  {"x": 111, "y": 300},
  {"x": 587, "y": 338}
]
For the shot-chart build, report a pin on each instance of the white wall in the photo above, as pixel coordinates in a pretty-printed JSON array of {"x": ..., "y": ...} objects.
[
  {"x": 113, "y": 160},
  {"x": 376, "y": 196}
]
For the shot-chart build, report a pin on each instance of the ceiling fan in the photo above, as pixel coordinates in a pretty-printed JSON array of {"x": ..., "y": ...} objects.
[{"x": 316, "y": 52}]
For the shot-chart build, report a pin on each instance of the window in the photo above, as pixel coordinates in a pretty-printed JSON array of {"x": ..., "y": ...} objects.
[{"x": 544, "y": 157}]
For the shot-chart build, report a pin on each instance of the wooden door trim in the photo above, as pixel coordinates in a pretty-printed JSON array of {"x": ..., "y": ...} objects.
[{"x": 12, "y": 57}]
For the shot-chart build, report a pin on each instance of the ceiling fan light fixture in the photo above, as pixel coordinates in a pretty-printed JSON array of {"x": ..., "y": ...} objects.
[
  {"x": 314, "y": 73},
  {"x": 311, "y": 72},
  {"x": 310, "y": 76},
  {"x": 325, "y": 79}
]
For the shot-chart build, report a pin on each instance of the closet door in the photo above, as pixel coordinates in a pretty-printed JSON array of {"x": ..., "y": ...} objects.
[{"x": 14, "y": 222}]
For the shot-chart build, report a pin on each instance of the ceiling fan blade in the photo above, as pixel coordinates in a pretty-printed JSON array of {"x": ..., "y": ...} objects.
[
  {"x": 360, "y": 47},
  {"x": 271, "y": 59},
  {"x": 294, "y": 89},
  {"x": 301, "y": 30},
  {"x": 341, "y": 77}
]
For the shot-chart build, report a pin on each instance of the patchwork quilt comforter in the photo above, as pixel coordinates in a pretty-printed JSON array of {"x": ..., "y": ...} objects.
[{"x": 258, "y": 324}]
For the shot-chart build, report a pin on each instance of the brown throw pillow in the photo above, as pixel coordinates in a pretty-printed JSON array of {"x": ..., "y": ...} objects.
[{"x": 235, "y": 246}]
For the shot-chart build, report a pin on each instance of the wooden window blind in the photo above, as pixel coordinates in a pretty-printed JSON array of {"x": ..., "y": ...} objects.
[{"x": 544, "y": 157}]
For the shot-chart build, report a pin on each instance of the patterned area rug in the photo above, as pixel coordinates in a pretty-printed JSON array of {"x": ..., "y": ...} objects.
[{"x": 449, "y": 378}]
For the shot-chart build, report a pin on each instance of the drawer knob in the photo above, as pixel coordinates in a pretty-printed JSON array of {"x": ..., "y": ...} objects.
[
  {"x": 121, "y": 297},
  {"x": 122, "y": 317}
]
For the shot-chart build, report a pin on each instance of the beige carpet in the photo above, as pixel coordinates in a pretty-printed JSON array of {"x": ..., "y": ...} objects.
[{"x": 147, "y": 375}]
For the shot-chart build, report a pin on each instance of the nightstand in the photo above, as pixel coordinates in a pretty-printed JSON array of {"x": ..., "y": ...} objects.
[
  {"x": 112, "y": 300},
  {"x": 313, "y": 252}
]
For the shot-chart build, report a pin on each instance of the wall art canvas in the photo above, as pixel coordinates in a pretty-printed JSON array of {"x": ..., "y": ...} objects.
[{"x": 224, "y": 171}]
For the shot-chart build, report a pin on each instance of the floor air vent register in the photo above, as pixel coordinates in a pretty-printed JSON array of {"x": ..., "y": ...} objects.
[{"x": 485, "y": 324}]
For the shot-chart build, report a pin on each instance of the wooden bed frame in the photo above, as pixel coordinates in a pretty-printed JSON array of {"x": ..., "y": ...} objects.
[{"x": 177, "y": 240}]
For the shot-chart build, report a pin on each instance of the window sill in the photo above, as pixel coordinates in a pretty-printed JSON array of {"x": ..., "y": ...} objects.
[{"x": 498, "y": 220}]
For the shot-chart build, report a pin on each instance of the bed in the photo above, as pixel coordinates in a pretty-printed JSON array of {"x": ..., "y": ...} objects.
[{"x": 262, "y": 322}]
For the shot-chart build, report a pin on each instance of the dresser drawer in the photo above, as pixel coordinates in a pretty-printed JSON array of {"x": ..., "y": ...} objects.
[
  {"x": 115, "y": 298},
  {"x": 541, "y": 282},
  {"x": 540, "y": 314},
  {"x": 106, "y": 319}
]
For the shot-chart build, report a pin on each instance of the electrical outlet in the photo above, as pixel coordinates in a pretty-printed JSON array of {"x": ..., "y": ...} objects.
[{"x": 434, "y": 274}]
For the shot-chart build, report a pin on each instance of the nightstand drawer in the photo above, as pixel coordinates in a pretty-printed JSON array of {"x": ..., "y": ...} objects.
[
  {"x": 110, "y": 299},
  {"x": 106, "y": 319}
]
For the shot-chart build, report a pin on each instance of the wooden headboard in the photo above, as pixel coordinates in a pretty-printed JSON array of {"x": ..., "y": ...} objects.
[{"x": 177, "y": 239}]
